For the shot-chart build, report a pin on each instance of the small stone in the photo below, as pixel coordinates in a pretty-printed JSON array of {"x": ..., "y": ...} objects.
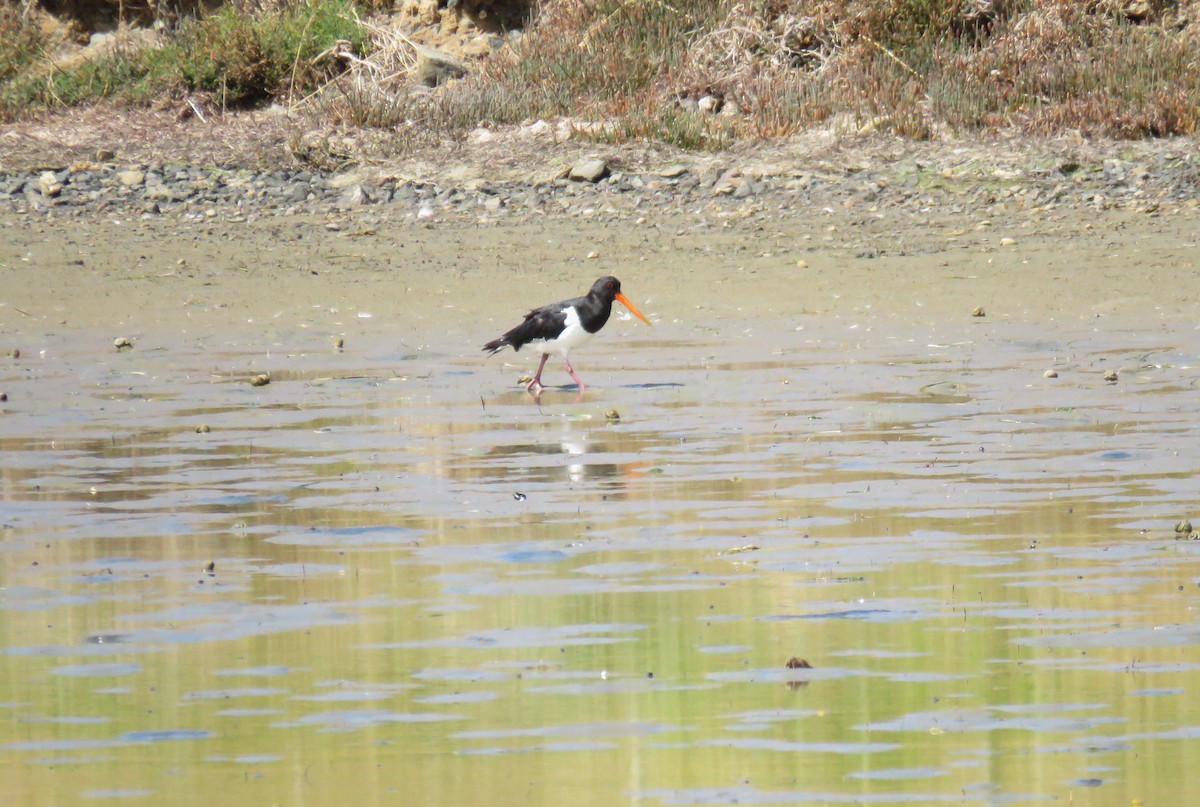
[
  {"x": 354, "y": 196},
  {"x": 260, "y": 380},
  {"x": 105, "y": 155},
  {"x": 3, "y": 396},
  {"x": 338, "y": 343},
  {"x": 164, "y": 193},
  {"x": 49, "y": 185},
  {"x": 593, "y": 255},
  {"x": 435, "y": 68},
  {"x": 1050, "y": 374},
  {"x": 15, "y": 353},
  {"x": 592, "y": 169},
  {"x": 210, "y": 568},
  {"x": 1184, "y": 526},
  {"x": 797, "y": 663},
  {"x": 123, "y": 343},
  {"x": 203, "y": 429},
  {"x": 1008, "y": 242},
  {"x": 612, "y": 415},
  {"x": 978, "y": 311},
  {"x": 132, "y": 178},
  {"x": 1111, "y": 375}
]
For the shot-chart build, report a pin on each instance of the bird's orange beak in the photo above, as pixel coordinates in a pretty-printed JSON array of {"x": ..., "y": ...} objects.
[{"x": 623, "y": 300}]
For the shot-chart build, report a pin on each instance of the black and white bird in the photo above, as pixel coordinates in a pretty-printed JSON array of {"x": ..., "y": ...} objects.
[{"x": 561, "y": 327}]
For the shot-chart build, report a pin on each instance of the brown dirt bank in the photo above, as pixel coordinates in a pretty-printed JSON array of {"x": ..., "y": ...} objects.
[{"x": 274, "y": 138}]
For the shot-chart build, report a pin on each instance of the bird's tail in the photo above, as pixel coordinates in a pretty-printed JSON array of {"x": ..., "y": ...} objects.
[{"x": 496, "y": 345}]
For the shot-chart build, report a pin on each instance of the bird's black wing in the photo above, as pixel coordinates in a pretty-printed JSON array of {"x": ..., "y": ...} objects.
[{"x": 546, "y": 322}]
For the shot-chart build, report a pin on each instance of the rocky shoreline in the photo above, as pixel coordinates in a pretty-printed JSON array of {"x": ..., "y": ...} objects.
[{"x": 898, "y": 177}]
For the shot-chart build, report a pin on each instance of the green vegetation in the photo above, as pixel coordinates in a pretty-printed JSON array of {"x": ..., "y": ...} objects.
[
  {"x": 237, "y": 57},
  {"x": 697, "y": 73}
]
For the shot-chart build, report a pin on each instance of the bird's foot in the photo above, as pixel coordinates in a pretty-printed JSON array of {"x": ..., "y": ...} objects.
[{"x": 535, "y": 387}]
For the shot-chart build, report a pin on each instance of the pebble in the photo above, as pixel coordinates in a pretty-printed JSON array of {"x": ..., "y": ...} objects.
[
  {"x": 49, "y": 184},
  {"x": 123, "y": 343},
  {"x": 592, "y": 169},
  {"x": 1110, "y": 376},
  {"x": 131, "y": 178},
  {"x": 260, "y": 380},
  {"x": 1050, "y": 374}
]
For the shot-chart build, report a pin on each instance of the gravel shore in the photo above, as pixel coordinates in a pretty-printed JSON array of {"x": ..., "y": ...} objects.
[{"x": 518, "y": 174}]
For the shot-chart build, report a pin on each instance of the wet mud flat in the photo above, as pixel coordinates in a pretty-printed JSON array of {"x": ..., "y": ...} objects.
[{"x": 391, "y": 571}]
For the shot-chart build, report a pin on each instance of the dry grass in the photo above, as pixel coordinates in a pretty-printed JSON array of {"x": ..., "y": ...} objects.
[
  {"x": 774, "y": 67},
  {"x": 373, "y": 89}
]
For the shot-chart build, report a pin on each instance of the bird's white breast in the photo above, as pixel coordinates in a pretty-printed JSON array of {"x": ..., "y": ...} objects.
[{"x": 573, "y": 335}]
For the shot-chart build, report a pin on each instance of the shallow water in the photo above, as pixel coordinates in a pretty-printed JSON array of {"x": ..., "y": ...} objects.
[{"x": 424, "y": 582}]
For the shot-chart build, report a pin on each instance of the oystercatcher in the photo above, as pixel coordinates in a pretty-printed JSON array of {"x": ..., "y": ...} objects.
[{"x": 560, "y": 327}]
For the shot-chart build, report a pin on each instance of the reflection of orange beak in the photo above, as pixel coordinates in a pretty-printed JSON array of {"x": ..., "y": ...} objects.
[{"x": 623, "y": 300}]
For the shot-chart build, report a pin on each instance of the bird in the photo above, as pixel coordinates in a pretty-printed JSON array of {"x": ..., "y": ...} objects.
[{"x": 561, "y": 327}]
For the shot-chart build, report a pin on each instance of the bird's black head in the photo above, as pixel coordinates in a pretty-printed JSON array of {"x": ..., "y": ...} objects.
[
  {"x": 606, "y": 288},
  {"x": 605, "y": 291}
]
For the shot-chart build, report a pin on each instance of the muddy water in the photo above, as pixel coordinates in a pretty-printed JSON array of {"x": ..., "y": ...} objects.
[{"x": 423, "y": 582}]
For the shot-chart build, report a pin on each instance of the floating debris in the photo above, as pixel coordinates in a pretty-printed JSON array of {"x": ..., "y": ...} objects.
[
  {"x": 797, "y": 663},
  {"x": 1184, "y": 526},
  {"x": 520, "y": 497},
  {"x": 746, "y": 548}
]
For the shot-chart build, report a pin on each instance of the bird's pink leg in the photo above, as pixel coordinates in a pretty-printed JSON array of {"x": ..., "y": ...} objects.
[
  {"x": 535, "y": 386},
  {"x": 571, "y": 372}
]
